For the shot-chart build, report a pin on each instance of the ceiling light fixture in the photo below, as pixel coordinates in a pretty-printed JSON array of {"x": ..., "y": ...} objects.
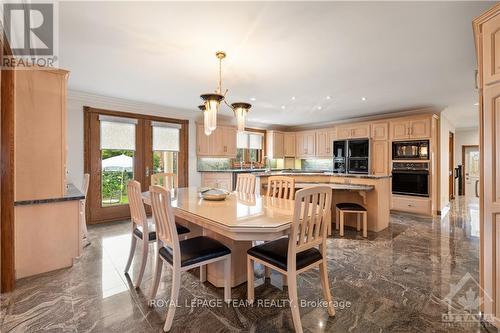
[
  {"x": 319, "y": 107},
  {"x": 328, "y": 97},
  {"x": 293, "y": 98},
  {"x": 212, "y": 103},
  {"x": 253, "y": 99},
  {"x": 363, "y": 99},
  {"x": 282, "y": 107}
]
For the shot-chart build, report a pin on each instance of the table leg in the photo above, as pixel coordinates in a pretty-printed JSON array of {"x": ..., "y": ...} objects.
[{"x": 215, "y": 271}]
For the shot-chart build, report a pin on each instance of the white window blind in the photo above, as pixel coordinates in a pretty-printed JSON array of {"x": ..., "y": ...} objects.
[
  {"x": 242, "y": 140},
  {"x": 117, "y": 133},
  {"x": 166, "y": 136},
  {"x": 246, "y": 140},
  {"x": 255, "y": 141}
]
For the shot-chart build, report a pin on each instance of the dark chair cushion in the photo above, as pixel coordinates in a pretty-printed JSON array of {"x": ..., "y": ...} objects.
[
  {"x": 276, "y": 253},
  {"x": 152, "y": 234},
  {"x": 350, "y": 206},
  {"x": 195, "y": 250}
]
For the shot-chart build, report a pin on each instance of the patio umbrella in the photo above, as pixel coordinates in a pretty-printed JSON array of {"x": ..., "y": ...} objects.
[{"x": 118, "y": 163}]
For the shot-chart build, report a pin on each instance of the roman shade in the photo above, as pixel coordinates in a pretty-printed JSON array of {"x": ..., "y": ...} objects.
[
  {"x": 117, "y": 132},
  {"x": 165, "y": 136}
]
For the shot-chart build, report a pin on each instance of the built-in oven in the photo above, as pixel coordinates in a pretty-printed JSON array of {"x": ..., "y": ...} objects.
[
  {"x": 410, "y": 150},
  {"x": 410, "y": 178}
]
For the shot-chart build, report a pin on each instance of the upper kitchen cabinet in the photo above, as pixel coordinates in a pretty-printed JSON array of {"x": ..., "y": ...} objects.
[
  {"x": 289, "y": 142},
  {"x": 380, "y": 131},
  {"x": 353, "y": 131},
  {"x": 275, "y": 142},
  {"x": 324, "y": 142},
  {"x": 221, "y": 143},
  {"x": 411, "y": 128},
  {"x": 380, "y": 157},
  {"x": 305, "y": 146},
  {"x": 40, "y": 128}
]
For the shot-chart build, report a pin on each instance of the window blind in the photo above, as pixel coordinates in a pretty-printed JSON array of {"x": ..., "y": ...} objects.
[
  {"x": 166, "y": 136},
  {"x": 117, "y": 133}
]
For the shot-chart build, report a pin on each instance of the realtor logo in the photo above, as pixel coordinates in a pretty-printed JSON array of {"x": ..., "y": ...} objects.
[
  {"x": 29, "y": 28},
  {"x": 464, "y": 302}
]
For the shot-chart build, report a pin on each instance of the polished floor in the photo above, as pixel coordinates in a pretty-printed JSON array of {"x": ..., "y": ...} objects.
[{"x": 412, "y": 277}]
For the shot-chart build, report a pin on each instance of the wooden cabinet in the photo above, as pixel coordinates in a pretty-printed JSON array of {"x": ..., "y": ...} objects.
[
  {"x": 289, "y": 143},
  {"x": 380, "y": 157},
  {"x": 414, "y": 205},
  {"x": 324, "y": 142},
  {"x": 223, "y": 180},
  {"x": 353, "y": 131},
  {"x": 221, "y": 143},
  {"x": 275, "y": 142},
  {"x": 487, "y": 38},
  {"x": 411, "y": 128},
  {"x": 380, "y": 131},
  {"x": 40, "y": 134},
  {"x": 305, "y": 146}
]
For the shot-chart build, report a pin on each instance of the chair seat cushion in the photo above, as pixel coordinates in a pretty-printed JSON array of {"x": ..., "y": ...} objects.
[
  {"x": 276, "y": 253},
  {"x": 195, "y": 250},
  {"x": 351, "y": 206},
  {"x": 152, "y": 234}
]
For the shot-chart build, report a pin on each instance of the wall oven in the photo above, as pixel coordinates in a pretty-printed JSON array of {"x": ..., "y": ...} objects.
[
  {"x": 410, "y": 150},
  {"x": 410, "y": 179}
]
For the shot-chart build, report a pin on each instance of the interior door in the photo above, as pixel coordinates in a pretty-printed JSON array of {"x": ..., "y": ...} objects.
[{"x": 471, "y": 171}]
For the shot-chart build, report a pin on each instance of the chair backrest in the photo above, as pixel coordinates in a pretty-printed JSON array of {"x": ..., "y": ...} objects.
[
  {"x": 281, "y": 187},
  {"x": 310, "y": 221},
  {"x": 137, "y": 211},
  {"x": 163, "y": 216},
  {"x": 165, "y": 179},
  {"x": 245, "y": 183},
  {"x": 85, "y": 184}
]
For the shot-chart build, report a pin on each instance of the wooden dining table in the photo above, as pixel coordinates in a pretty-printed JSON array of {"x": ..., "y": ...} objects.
[{"x": 236, "y": 222}]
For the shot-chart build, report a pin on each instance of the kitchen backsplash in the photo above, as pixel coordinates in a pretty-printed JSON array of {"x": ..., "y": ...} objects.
[
  {"x": 317, "y": 164},
  {"x": 211, "y": 164}
]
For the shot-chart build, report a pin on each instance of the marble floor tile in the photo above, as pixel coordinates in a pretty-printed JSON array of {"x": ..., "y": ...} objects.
[{"x": 397, "y": 280}]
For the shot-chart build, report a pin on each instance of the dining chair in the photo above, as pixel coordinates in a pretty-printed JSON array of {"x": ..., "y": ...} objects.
[
  {"x": 165, "y": 179},
  {"x": 83, "y": 204},
  {"x": 302, "y": 250},
  {"x": 143, "y": 229},
  {"x": 245, "y": 183},
  {"x": 182, "y": 255},
  {"x": 281, "y": 187}
]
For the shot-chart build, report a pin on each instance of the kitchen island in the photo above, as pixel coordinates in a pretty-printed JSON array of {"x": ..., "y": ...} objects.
[{"x": 371, "y": 191}]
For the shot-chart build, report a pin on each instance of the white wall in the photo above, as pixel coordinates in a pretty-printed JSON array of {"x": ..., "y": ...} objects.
[
  {"x": 464, "y": 137},
  {"x": 446, "y": 126},
  {"x": 77, "y": 100}
]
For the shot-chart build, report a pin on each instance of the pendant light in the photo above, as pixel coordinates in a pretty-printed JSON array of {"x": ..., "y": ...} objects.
[{"x": 212, "y": 102}]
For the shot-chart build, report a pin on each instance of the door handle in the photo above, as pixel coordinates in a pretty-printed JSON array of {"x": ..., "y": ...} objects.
[
  {"x": 147, "y": 171},
  {"x": 477, "y": 188}
]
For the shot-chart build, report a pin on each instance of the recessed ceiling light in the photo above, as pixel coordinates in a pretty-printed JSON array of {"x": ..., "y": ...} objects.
[
  {"x": 328, "y": 97},
  {"x": 476, "y": 104},
  {"x": 319, "y": 107},
  {"x": 282, "y": 107},
  {"x": 363, "y": 99},
  {"x": 293, "y": 98},
  {"x": 253, "y": 99}
]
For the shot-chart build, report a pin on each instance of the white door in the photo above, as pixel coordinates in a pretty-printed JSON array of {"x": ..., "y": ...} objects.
[{"x": 471, "y": 171}]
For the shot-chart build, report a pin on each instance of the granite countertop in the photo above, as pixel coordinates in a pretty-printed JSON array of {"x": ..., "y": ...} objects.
[
  {"x": 338, "y": 186},
  {"x": 348, "y": 175},
  {"x": 235, "y": 170},
  {"x": 72, "y": 193}
]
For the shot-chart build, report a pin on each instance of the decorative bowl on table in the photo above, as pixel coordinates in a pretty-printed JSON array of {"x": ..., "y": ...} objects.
[{"x": 214, "y": 194}]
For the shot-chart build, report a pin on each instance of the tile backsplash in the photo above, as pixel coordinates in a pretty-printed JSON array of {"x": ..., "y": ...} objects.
[
  {"x": 212, "y": 163},
  {"x": 317, "y": 164}
]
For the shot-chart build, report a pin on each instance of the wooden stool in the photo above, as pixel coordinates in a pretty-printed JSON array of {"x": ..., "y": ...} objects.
[{"x": 347, "y": 207}]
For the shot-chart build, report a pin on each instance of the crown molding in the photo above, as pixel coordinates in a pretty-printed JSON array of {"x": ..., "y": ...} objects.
[{"x": 378, "y": 116}]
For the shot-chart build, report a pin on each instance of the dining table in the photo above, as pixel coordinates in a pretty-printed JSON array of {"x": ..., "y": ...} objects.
[{"x": 236, "y": 222}]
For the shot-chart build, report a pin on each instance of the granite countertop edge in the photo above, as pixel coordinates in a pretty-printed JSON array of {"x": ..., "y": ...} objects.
[
  {"x": 72, "y": 194},
  {"x": 331, "y": 174}
]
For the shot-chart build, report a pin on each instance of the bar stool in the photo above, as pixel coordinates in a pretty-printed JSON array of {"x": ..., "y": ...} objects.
[{"x": 348, "y": 207}]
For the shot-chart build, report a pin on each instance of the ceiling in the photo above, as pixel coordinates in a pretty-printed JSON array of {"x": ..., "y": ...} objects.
[{"x": 287, "y": 56}]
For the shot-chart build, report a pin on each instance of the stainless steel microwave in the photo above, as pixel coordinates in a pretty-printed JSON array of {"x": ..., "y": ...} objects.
[{"x": 410, "y": 150}]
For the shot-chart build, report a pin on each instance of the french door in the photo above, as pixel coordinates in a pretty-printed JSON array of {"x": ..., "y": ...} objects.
[{"x": 120, "y": 147}]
